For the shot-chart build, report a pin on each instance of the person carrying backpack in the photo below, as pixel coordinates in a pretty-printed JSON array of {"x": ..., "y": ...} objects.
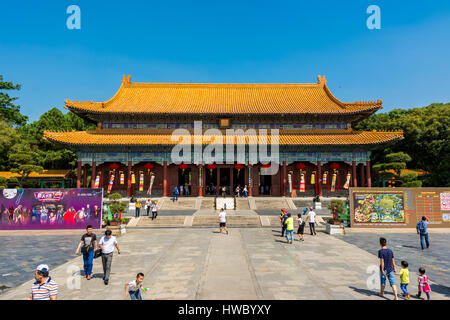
[{"x": 422, "y": 230}]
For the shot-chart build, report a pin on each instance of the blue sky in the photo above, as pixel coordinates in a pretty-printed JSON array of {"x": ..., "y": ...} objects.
[{"x": 406, "y": 63}]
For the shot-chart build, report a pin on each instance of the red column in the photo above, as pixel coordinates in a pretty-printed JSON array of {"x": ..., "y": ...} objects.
[
  {"x": 79, "y": 174},
  {"x": 355, "y": 181},
  {"x": 369, "y": 180},
  {"x": 93, "y": 174},
  {"x": 85, "y": 176},
  {"x": 250, "y": 186},
  {"x": 200, "y": 188},
  {"x": 361, "y": 173},
  {"x": 165, "y": 179},
  {"x": 129, "y": 179},
  {"x": 319, "y": 177},
  {"x": 283, "y": 186}
]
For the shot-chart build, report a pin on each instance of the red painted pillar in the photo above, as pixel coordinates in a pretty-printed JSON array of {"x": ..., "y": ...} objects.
[
  {"x": 369, "y": 179},
  {"x": 250, "y": 186},
  {"x": 319, "y": 177},
  {"x": 202, "y": 185},
  {"x": 361, "y": 173},
  {"x": 79, "y": 174},
  {"x": 355, "y": 181},
  {"x": 94, "y": 167},
  {"x": 129, "y": 179},
  {"x": 283, "y": 186},
  {"x": 85, "y": 176},
  {"x": 165, "y": 179}
]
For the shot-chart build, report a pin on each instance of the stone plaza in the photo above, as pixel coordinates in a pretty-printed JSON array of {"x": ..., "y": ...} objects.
[{"x": 200, "y": 263}]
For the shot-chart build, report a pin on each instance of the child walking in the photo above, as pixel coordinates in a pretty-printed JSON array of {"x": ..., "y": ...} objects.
[
  {"x": 424, "y": 286},
  {"x": 404, "y": 279},
  {"x": 301, "y": 227},
  {"x": 133, "y": 288}
]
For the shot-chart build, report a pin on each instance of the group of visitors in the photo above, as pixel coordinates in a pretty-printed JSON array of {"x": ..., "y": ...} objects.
[
  {"x": 388, "y": 271},
  {"x": 241, "y": 192},
  {"x": 182, "y": 191},
  {"x": 149, "y": 205},
  {"x": 88, "y": 246},
  {"x": 287, "y": 224}
]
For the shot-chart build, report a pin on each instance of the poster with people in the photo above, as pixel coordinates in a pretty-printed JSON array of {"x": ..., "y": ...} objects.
[{"x": 28, "y": 209}]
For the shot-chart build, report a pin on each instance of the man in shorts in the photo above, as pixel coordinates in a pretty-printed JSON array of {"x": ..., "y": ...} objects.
[
  {"x": 387, "y": 268},
  {"x": 223, "y": 220}
]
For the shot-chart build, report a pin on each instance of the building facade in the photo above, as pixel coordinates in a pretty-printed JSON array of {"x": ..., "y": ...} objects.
[{"x": 131, "y": 150}]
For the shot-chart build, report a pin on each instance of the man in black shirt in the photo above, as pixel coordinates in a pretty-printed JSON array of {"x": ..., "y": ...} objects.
[{"x": 88, "y": 245}]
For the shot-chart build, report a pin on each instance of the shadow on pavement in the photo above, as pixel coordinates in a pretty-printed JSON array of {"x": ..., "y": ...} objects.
[{"x": 440, "y": 289}]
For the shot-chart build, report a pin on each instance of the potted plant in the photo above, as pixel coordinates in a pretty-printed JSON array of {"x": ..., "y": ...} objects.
[
  {"x": 337, "y": 208},
  {"x": 116, "y": 208}
]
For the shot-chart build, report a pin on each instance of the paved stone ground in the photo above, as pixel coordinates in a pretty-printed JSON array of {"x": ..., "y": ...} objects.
[
  {"x": 200, "y": 263},
  {"x": 20, "y": 255},
  {"x": 435, "y": 260}
]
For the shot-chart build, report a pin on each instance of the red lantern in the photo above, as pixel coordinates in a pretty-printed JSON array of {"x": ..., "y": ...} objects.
[
  {"x": 211, "y": 167},
  {"x": 239, "y": 166},
  {"x": 334, "y": 165},
  {"x": 300, "y": 166},
  {"x": 114, "y": 166},
  {"x": 148, "y": 166},
  {"x": 183, "y": 167},
  {"x": 265, "y": 166}
]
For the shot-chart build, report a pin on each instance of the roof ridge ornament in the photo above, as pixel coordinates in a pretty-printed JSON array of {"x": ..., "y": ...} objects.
[
  {"x": 125, "y": 79},
  {"x": 322, "y": 80}
]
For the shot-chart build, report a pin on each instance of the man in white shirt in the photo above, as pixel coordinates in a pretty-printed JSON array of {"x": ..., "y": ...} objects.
[
  {"x": 223, "y": 220},
  {"x": 107, "y": 244},
  {"x": 311, "y": 219}
]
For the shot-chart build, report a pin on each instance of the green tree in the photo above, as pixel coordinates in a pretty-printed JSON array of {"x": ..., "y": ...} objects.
[
  {"x": 427, "y": 139},
  {"x": 397, "y": 162},
  {"x": 23, "y": 161},
  {"x": 9, "y": 111},
  {"x": 8, "y": 137}
]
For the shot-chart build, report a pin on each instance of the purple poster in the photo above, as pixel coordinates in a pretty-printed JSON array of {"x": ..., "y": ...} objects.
[{"x": 28, "y": 209}]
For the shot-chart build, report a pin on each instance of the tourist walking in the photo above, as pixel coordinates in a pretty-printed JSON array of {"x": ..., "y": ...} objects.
[
  {"x": 387, "y": 268},
  {"x": 107, "y": 244},
  {"x": 148, "y": 204},
  {"x": 223, "y": 220},
  {"x": 422, "y": 230},
  {"x": 154, "y": 206},
  {"x": 301, "y": 227},
  {"x": 175, "y": 194},
  {"x": 290, "y": 229},
  {"x": 88, "y": 245},
  {"x": 138, "y": 208},
  {"x": 44, "y": 288},
  {"x": 245, "y": 191},
  {"x": 404, "y": 279},
  {"x": 133, "y": 288},
  {"x": 283, "y": 217},
  {"x": 311, "y": 217},
  {"x": 424, "y": 286}
]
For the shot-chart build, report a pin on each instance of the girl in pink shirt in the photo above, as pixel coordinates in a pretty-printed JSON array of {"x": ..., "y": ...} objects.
[{"x": 424, "y": 286}]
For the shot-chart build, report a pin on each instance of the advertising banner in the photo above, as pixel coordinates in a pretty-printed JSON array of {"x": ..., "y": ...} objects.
[{"x": 35, "y": 209}]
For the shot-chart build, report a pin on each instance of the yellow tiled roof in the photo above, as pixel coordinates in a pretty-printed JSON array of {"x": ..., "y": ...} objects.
[
  {"x": 190, "y": 98},
  {"x": 163, "y": 137},
  {"x": 44, "y": 174}
]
